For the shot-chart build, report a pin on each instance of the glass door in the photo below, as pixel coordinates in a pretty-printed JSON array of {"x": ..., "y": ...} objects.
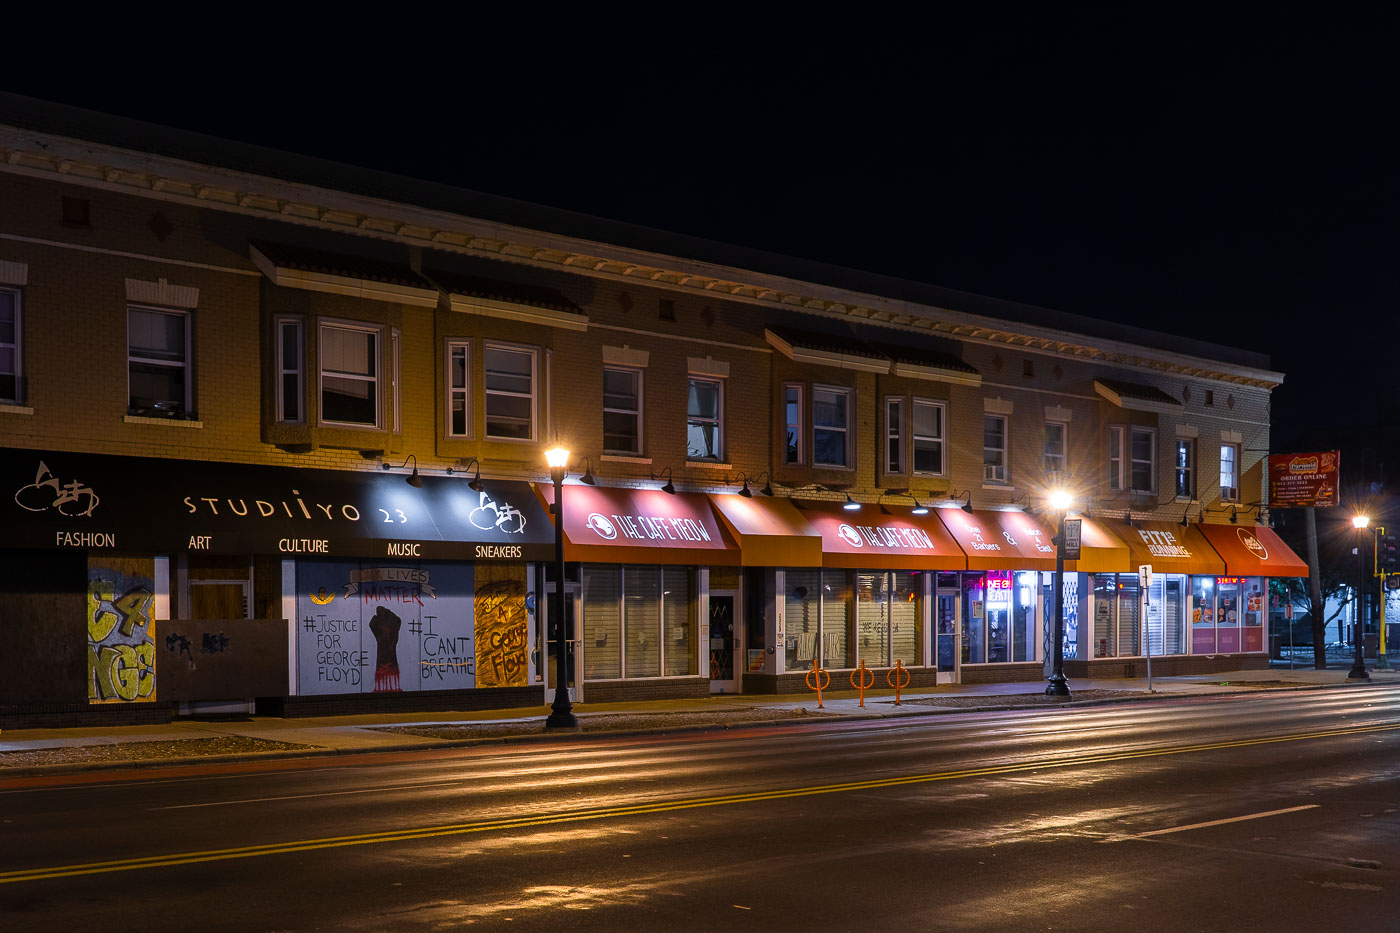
[
  {"x": 573, "y": 642},
  {"x": 946, "y": 632},
  {"x": 724, "y": 638}
]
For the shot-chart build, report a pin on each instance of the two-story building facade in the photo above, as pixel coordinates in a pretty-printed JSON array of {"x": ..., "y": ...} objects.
[{"x": 275, "y": 430}]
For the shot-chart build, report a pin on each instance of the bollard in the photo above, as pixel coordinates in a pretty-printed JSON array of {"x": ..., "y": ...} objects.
[
  {"x": 818, "y": 684},
  {"x": 898, "y": 678},
  {"x": 863, "y": 685}
]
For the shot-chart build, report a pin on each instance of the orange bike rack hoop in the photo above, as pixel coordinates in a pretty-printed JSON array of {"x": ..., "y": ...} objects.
[
  {"x": 816, "y": 682},
  {"x": 863, "y": 685},
  {"x": 898, "y": 678}
]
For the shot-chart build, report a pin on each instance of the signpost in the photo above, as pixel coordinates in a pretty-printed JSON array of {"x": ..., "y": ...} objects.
[
  {"x": 1145, "y": 580},
  {"x": 1071, "y": 545}
]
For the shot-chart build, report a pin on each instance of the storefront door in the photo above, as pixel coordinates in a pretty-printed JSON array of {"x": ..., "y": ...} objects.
[
  {"x": 946, "y": 633},
  {"x": 726, "y": 635},
  {"x": 574, "y": 643}
]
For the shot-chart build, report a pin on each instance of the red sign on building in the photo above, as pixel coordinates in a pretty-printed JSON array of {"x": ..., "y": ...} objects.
[{"x": 1299, "y": 480}]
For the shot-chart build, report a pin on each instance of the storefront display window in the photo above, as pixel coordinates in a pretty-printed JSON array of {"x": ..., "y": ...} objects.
[
  {"x": 1203, "y": 615},
  {"x": 1252, "y": 596},
  {"x": 644, "y": 608},
  {"x": 872, "y": 604},
  {"x": 1129, "y": 616},
  {"x": 802, "y": 609},
  {"x": 678, "y": 618},
  {"x": 905, "y": 618},
  {"x": 836, "y": 600},
  {"x": 1227, "y": 614},
  {"x": 1105, "y": 614},
  {"x": 974, "y": 641}
]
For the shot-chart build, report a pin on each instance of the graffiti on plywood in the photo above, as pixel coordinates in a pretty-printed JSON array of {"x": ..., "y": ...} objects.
[{"x": 121, "y": 630}]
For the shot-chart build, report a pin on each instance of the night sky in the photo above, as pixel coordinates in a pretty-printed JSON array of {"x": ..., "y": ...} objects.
[{"x": 1228, "y": 178}]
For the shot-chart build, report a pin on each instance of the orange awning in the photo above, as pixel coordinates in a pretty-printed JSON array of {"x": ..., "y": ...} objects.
[
  {"x": 881, "y": 537},
  {"x": 641, "y": 526},
  {"x": 1254, "y": 551},
  {"x": 1170, "y": 548},
  {"x": 995, "y": 540},
  {"x": 770, "y": 532}
]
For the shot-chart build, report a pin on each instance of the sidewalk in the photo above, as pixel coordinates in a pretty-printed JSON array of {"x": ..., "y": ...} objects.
[{"x": 34, "y": 751}]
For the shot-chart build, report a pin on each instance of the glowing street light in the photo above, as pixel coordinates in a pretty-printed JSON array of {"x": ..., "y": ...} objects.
[
  {"x": 562, "y": 715},
  {"x": 1059, "y": 501},
  {"x": 1358, "y": 667}
]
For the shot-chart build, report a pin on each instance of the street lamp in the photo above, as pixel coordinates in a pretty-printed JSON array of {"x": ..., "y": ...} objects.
[
  {"x": 1358, "y": 668},
  {"x": 562, "y": 717},
  {"x": 1060, "y": 500}
]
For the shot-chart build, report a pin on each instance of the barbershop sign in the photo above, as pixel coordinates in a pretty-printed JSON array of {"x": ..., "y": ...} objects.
[{"x": 54, "y": 499}]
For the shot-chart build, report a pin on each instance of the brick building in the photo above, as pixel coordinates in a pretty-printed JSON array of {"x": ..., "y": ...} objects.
[{"x": 220, "y": 366}]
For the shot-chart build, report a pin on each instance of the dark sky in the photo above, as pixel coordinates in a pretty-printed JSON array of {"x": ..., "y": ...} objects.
[{"x": 1227, "y": 177}]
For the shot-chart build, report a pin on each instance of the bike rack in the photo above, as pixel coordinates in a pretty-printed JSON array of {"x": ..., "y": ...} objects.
[
  {"x": 863, "y": 685},
  {"x": 898, "y": 678},
  {"x": 818, "y": 684}
]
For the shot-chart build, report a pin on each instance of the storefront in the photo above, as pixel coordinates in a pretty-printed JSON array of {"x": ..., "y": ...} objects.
[
  {"x": 646, "y": 568},
  {"x": 870, "y": 600},
  {"x": 208, "y": 583},
  {"x": 1230, "y": 611}
]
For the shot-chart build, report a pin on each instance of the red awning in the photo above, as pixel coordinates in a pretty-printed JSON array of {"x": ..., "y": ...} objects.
[
  {"x": 1254, "y": 551},
  {"x": 881, "y": 537},
  {"x": 641, "y": 526},
  {"x": 996, "y": 540}
]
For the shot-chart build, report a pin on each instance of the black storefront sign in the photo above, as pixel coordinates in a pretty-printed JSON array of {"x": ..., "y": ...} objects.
[{"x": 55, "y": 499}]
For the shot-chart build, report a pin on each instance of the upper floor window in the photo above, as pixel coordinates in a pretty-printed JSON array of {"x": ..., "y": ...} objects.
[
  {"x": 792, "y": 423},
  {"x": 9, "y": 345},
  {"x": 290, "y": 387},
  {"x": 511, "y": 391},
  {"x": 458, "y": 402},
  {"x": 994, "y": 449},
  {"x": 894, "y": 435},
  {"x": 1143, "y": 467},
  {"x": 1229, "y": 473},
  {"x": 1185, "y": 468},
  {"x": 622, "y": 410},
  {"x": 350, "y": 390},
  {"x": 158, "y": 363},
  {"x": 929, "y": 421},
  {"x": 831, "y": 414},
  {"x": 704, "y": 419},
  {"x": 1056, "y": 446}
]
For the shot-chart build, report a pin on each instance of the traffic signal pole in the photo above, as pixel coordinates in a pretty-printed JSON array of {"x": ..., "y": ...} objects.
[{"x": 1386, "y": 555}]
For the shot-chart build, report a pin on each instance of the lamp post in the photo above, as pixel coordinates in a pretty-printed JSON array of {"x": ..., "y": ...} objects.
[
  {"x": 562, "y": 716},
  {"x": 1060, "y": 501},
  {"x": 1358, "y": 668}
]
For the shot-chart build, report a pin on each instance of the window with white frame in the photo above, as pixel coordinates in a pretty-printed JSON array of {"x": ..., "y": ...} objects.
[
  {"x": 831, "y": 415},
  {"x": 792, "y": 423},
  {"x": 994, "y": 449},
  {"x": 511, "y": 387},
  {"x": 1229, "y": 473},
  {"x": 929, "y": 420},
  {"x": 894, "y": 435},
  {"x": 458, "y": 388},
  {"x": 1185, "y": 468},
  {"x": 10, "y": 374},
  {"x": 1143, "y": 459},
  {"x": 1117, "y": 475},
  {"x": 349, "y": 370},
  {"x": 1056, "y": 446},
  {"x": 159, "y": 380},
  {"x": 291, "y": 386},
  {"x": 704, "y": 419},
  {"x": 622, "y": 410}
]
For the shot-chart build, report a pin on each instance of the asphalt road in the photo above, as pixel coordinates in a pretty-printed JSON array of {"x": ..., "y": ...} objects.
[{"x": 1278, "y": 811}]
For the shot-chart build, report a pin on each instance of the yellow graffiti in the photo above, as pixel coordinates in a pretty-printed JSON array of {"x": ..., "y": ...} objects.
[
  {"x": 121, "y": 672},
  {"x": 106, "y": 612},
  {"x": 501, "y": 626},
  {"x": 322, "y": 598}
]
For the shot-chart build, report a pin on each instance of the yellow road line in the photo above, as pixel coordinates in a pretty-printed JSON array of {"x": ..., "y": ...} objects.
[{"x": 457, "y": 829}]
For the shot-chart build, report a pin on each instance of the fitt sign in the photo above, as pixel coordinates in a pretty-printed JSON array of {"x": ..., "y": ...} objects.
[{"x": 1070, "y": 545}]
